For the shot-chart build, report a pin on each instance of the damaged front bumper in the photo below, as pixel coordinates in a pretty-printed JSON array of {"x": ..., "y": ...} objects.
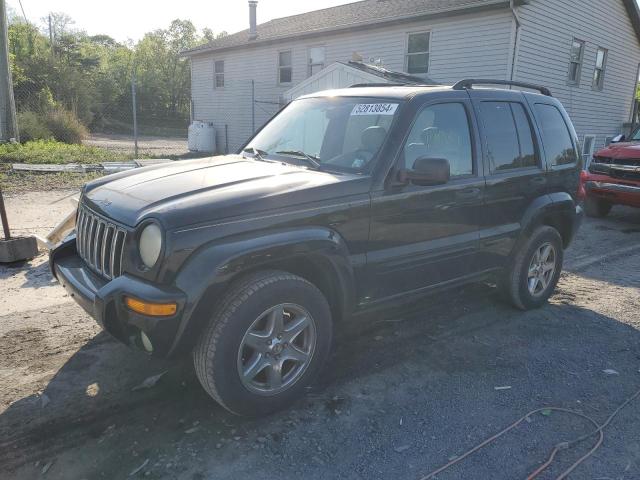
[{"x": 104, "y": 300}]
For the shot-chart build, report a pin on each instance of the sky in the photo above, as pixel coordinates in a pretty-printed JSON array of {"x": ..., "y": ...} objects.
[{"x": 131, "y": 19}]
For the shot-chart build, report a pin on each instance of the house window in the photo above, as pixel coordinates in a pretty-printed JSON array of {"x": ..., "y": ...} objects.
[
  {"x": 588, "y": 145},
  {"x": 598, "y": 72},
  {"x": 218, "y": 70},
  {"x": 575, "y": 62},
  {"x": 316, "y": 59},
  {"x": 285, "y": 67},
  {"x": 417, "y": 58}
]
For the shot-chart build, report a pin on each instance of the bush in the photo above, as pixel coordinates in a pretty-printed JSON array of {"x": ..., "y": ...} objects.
[
  {"x": 33, "y": 127},
  {"x": 60, "y": 125},
  {"x": 65, "y": 127}
]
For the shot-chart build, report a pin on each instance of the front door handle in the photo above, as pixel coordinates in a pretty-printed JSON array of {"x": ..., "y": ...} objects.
[{"x": 469, "y": 193}]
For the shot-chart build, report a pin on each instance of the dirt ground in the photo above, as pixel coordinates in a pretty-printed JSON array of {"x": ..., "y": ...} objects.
[
  {"x": 170, "y": 146},
  {"x": 405, "y": 391}
]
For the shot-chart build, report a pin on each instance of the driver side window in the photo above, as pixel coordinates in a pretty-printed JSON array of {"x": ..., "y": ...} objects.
[{"x": 441, "y": 131}]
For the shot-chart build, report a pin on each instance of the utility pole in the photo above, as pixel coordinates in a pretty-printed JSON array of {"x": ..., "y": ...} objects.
[
  {"x": 8, "y": 123},
  {"x": 135, "y": 112},
  {"x": 50, "y": 35}
]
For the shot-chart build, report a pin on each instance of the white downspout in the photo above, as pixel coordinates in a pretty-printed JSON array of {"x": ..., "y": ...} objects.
[{"x": 516, "y": 39}]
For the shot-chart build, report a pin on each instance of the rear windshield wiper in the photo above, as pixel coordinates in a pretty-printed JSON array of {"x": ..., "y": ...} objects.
[
  {"x": 313, "y": 161},
  {"x": 257, "y": 153}
]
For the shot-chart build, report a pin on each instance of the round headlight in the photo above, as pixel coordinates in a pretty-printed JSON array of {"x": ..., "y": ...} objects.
[{"x": 150, "y": 244}]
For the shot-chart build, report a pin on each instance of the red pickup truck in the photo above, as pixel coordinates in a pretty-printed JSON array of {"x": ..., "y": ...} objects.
[{"x": 613, "y": 176}]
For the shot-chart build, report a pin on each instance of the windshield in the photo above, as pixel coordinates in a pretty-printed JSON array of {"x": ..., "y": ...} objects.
[
  {"x": 635, "y": 136},
  {"x": 334, "y": 133}
]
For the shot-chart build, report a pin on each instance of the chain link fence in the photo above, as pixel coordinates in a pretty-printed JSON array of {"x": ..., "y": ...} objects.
[{"x": 128, "y": 122}]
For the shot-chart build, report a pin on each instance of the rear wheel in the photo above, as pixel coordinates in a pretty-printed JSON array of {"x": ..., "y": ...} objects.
[
  {"x": 595, "y": 207},
  {"x": 535, "y": 269},
  {"x": 267, "y": 340}
]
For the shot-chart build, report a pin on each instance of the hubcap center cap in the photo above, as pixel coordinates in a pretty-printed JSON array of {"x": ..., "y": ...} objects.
[{"x": 277, "y": 348}]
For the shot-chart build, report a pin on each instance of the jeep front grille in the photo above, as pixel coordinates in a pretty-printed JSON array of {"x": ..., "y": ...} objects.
[{"x": 100, "y": 243}]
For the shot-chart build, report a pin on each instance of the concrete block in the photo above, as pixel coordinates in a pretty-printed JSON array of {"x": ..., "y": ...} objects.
[{"x": 18, "y": 249}]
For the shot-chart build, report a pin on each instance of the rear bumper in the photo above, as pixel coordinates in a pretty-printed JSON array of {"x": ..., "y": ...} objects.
[{"x": 104, "y": 301}]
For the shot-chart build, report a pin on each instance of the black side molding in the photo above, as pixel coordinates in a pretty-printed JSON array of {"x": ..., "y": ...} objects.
[{"x": 468, "y": 83}]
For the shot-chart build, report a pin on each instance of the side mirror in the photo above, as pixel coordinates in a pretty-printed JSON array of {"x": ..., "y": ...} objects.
[
  {"x": 427, "y": 171},
  {"x": 618, "y": 139}
]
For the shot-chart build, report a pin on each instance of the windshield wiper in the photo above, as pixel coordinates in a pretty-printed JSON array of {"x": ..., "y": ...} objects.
[
  {"x": 313, "y": 161},
  {"x": 257, "y": 153}
]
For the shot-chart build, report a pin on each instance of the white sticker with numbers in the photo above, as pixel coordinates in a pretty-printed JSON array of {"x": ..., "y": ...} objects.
[{"x": 375, "y": 109}]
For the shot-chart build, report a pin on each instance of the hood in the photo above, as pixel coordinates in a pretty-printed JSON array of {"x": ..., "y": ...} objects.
[
  {"x": 190, "y": 192},
  {"x": 622, "y": 150}
]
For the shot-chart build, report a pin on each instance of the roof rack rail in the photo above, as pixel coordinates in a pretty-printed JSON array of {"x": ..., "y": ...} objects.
[
  {"x": 468, "y": 83},
  {"x": 362, "y": 85}
]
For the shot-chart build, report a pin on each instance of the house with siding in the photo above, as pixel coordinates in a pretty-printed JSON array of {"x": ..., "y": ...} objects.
[{"x": 587, "y": 52}]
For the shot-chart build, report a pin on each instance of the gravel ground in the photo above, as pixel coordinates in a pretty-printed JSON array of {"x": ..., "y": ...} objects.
[
  {"x": 155, "y": 146},
  {"x": 405, "y": 390}
]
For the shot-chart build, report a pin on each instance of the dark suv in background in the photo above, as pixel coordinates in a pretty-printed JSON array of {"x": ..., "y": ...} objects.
[{"x": 346, "y": 201}]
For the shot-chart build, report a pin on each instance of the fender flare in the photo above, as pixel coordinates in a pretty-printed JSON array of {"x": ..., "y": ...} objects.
[
  {"x": 209, "y": 270},
  {"x": 558, "y": 209}
]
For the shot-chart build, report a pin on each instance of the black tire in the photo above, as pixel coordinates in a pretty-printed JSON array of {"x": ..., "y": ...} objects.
[
  {"x": 515, "y": 283},
  {"x": 216, "y": 353},
  {"x": 597, "y": 208}
]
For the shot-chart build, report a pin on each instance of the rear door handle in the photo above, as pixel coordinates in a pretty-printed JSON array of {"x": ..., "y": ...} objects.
[{"x": 469, "y": 193}]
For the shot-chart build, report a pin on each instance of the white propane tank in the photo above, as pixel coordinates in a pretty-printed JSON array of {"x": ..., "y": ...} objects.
[
  {"x": 194, "y": 135},
  {"x": 207, "y": 138}
]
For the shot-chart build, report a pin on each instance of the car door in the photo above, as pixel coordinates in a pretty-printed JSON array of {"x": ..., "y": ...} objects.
[
  {"x": 424, "y": 236},
  {"x": 514, "y": 170}
]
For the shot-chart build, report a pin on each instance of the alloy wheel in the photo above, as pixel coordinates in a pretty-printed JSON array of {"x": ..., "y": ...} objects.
[
  {"x": 276, "y": 349},
  {"x": 541, "y": 269}
]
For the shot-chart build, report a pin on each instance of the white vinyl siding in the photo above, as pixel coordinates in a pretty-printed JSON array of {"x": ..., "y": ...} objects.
[{"x": 548, "y": 28}]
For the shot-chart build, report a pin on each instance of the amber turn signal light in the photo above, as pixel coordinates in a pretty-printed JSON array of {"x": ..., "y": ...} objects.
[{"x": 151, "y": 309}]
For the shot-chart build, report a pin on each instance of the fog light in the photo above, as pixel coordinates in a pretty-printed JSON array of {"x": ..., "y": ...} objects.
[
  {"x": 146, "y": 342},
  {"x": 151, "y": 309}
]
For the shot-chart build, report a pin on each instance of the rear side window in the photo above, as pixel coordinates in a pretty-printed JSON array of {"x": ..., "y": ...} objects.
[
  {"x": 508, "y": 136},
  {"x": 555, "y": 135}
]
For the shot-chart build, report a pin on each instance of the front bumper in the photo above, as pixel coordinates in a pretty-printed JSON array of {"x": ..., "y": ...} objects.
[
  {"x": 620, "y": 192},
  {"x": 104, "y": 301}
]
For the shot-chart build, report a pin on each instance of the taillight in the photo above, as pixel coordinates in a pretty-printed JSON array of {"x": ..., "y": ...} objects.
[{"x": 582, "y": 193}]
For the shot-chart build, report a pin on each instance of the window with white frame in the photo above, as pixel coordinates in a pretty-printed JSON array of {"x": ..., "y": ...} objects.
[
  {"x": 417, "y": 56},
  {"x": 598, "y": 72},
  {"x": 285, "y": 67},
  {"x": 218, "y": 73},
  {"x": 575, "y": 62},
  {"x": 316, "y": 59},
  {"x": 588, "y": 146}
]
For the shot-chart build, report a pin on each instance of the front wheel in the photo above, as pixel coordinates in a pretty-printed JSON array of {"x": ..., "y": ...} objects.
[
  {"x": 535, "y": 269},
  {"x": 268, "y": 339}
]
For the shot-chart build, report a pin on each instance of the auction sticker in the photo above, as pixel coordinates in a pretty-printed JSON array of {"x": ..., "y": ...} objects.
[{"x": 374, "y": 109}]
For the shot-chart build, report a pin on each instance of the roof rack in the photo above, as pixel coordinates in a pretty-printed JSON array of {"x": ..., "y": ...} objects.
[
  {"x": 468, "y": 83},
  {"x": 362, "y": 85}
]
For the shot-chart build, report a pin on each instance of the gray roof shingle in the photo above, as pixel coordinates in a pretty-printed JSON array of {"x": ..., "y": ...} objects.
[{"x": 365, "y": 12}]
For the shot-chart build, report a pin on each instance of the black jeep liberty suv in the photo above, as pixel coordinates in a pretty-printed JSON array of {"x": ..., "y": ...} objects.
[{"x": 345, "y": 201}]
